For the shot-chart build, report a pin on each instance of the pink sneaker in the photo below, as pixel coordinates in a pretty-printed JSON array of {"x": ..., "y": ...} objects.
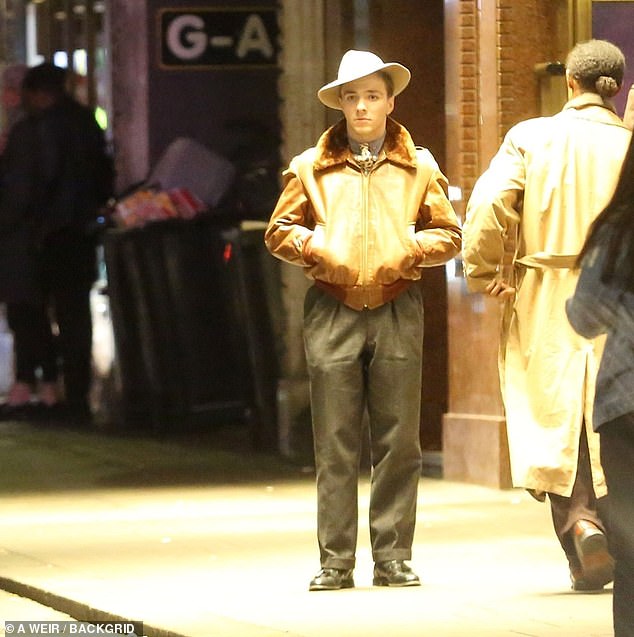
[{"x": 19, "y": 394}]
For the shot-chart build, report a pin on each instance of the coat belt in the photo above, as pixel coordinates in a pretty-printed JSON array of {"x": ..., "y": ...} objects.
[{"x": 544, "y": 260}]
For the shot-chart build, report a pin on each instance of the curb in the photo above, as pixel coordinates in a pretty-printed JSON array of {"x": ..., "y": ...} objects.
[{"x": 75, "y": 610}]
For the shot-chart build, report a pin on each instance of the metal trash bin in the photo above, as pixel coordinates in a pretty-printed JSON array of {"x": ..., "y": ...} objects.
[
  {"x": 259, "y": 304},
  {"x": 191, "y": 304}
]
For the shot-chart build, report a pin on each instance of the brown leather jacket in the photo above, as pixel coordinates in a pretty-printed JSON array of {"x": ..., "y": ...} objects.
[{"x": 364, "y": 236}]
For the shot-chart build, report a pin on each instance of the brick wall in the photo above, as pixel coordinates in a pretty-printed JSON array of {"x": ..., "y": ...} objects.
[
  {"x": 469, "y": 107},
  {"x": 496, "y": 45},
  {"x": 492, "y": 47},
  {"x": 528, "y": 32}
]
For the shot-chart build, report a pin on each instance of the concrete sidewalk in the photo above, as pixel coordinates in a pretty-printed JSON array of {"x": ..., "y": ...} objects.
[{"x": 131, "y": 529}]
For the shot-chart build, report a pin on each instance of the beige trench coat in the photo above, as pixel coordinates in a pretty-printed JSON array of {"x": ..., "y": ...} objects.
[{"x": 547, "y": 183}]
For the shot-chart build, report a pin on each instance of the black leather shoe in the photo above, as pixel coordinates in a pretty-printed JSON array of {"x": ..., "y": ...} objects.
[
  {"x": 597, "y": 565},
  {"x": 332, "y": 579},
  {"x": 394, "y": 573}
]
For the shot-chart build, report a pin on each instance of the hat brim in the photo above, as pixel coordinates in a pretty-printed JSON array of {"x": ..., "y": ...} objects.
[{"x": 329, "y": 94}]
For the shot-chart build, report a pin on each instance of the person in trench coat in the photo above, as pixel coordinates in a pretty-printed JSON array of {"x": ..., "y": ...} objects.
[{"x": 548, "y": 181}]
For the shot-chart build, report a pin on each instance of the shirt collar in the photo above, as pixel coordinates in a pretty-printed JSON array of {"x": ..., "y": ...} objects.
[{"x": 375, "y": 145}]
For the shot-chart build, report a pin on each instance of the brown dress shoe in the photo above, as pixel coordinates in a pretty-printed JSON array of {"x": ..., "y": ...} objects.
[
  {"x": 394, "y": 573},
  {"x": 579, "y": 583},
  {"x": 332, "y": 579},
  {"x": 597, "y": 565}
]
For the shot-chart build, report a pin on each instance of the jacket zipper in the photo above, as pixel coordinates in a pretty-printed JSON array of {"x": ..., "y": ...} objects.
[{"x": 365, "y": 181}]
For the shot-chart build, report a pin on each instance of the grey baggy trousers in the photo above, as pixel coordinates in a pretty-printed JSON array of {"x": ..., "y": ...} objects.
[{"x": 358, "y": 360}]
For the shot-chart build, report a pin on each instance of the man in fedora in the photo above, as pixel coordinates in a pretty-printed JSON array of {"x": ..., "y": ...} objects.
[{"x": 363, "y": 212}]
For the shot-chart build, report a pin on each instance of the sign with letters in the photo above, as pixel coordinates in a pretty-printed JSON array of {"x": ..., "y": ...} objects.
[{"x": 204, "y": 38}]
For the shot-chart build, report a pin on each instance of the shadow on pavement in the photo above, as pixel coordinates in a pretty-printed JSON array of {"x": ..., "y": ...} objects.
[{"x": 37, "y": 457}]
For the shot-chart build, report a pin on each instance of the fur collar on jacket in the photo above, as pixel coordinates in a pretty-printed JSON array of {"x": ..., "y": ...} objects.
[{"x": 333, "y": 149}]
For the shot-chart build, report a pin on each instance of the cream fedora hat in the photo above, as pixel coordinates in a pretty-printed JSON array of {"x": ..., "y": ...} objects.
[{"x": 357, "y": 64}]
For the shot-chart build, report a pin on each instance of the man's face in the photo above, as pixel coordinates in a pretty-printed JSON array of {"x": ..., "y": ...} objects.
[{"x": 366, "y": 105}]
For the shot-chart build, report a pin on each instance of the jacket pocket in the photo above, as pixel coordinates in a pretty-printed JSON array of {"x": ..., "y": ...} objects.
[
  {"x": 398, "y": 257},
  {"x": 336, "y": 257}
]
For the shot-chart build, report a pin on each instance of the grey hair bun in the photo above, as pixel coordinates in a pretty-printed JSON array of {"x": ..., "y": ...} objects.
[{"x": 606, "y": 86}]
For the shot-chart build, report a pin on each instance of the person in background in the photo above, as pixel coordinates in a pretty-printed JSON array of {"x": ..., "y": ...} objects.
[
  {"x": 543, "y": 189},
  {"x": 55, "y": 175},
  {"x": 603, "y": 303},
  {"x": 363, "y": 212}
]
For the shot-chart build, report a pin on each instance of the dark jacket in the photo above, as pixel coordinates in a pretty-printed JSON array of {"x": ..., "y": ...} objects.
[
  {"x": 598, "y": 307},
  {"x": 55, "y": 175}
]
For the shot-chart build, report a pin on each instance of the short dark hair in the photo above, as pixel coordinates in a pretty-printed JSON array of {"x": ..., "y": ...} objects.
[
  {"x": 45, "y": 77},
  {"x": 389, "y": 82}
]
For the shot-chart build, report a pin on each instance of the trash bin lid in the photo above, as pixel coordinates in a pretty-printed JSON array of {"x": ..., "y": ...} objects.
[{"x": 187, "y": 163}]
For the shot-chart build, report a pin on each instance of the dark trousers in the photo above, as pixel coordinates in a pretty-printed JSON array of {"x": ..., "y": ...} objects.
[
  {"x": 67, "y": 272},
  {"x": 617, "y": 458},
  {"x": 357, "y": 361},
  {"x": 581, "y": 505},
  {"x": 33, "y": 343}
]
